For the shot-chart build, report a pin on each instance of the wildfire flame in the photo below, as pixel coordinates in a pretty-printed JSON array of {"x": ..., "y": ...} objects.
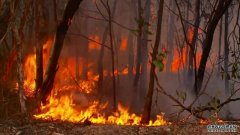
[{"x": 70, "y": 100}]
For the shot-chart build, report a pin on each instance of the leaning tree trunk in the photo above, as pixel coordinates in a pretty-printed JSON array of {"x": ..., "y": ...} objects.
[
  {"x": 148, "y": 101},
  {"x": 62, "y": 28},
  {"x": 207, "y": 43}
]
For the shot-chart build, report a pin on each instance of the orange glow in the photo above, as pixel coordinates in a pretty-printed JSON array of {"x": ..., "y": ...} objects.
[
  {"x": 205, "y": 122},
  {"x": 123, "y": 46},
  {"x": 30, "y": 68},
  {"x": 93, "y": 45},
  {"x": 72, "y": 100}
]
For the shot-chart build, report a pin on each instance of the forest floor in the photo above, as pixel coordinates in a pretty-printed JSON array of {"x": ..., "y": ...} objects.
[{"x": 62, "y": 128}]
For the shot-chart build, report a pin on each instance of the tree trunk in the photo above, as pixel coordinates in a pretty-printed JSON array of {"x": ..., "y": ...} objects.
[
  {"x": 144, "y": 56},
  {"x": 86, "y": 51},
  {"x": 101, "y": 55},
  {"x": 112, "y": 58},
  {"x": 139, "y": 45},
  {"x": 226, "y": 53},
  {"x": 61, "y": 32},
  {"x": 100, "y": 60},
  {"x": 207, "y": 43},
  {"x": 148, "y": 101},
  {"x": 220, "y": 46},
  {"x": 192, "y": 54},
  {"x": 19, "y": 38},
  {"x": 39, "y": 48},
  {"x": 170, "y": 38}
]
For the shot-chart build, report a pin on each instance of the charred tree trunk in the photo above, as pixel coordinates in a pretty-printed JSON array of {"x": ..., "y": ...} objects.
[
  {"x": 19, "y": 38},
  {"x": 139, "y": 45},
  {"x": 170, "y": 37},
  {"x": 39, "y": 48},
  {"x": 20, "y": 74},
  {"x": 192, "y": 60},
  {"x": 148, "y": 101},
  {"x": 61, "y": 32},
  {"x": 222, "y": 6}
]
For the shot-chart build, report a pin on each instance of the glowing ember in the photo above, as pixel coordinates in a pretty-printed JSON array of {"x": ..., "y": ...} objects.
[{"x": 205, "y": 122}]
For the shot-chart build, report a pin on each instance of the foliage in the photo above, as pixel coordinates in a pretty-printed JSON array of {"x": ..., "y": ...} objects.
[{"x": 159, "y": 61}]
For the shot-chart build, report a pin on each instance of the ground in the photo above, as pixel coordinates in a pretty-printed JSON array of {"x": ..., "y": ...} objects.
[{"x": 62, "y": 128}]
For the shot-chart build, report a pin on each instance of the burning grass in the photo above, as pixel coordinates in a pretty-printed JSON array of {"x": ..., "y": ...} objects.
[{"x": 72, "y": 100}]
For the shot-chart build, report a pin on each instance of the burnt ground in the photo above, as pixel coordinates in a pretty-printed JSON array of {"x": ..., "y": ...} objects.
[{"x": 61, "y": 128}]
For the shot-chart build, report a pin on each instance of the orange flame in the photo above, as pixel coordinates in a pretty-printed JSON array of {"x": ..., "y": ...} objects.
[
  {"x": 71, "y": 100},
  {"x": 93, "y": 45},
  {"x": 123, "y": 46}
]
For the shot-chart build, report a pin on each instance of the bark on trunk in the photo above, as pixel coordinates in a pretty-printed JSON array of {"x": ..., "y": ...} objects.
[
  {"x": 148, "y": 102},
  {"x": 20, "y": 74},
  {"x": 19, "y": 38},
  {"x": 207, "y": 43},
  {"x": 61, "y": 32}
]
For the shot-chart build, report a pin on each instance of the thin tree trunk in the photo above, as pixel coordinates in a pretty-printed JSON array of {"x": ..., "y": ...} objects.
[
  {"x": 226, "y": 53},
  {"x": 144, "y": 56},
  {"x": 139, "y": 45},
  {"x": 112, "y": 58},
  {"x": 207, "y": 43},
  {"x": 101, "y": 55},
  {"x": 148, "y": 101},
  {"x": 61, "y": 32},
  {"x": 220, "y": 46},
  {"x": 39, "y": 48},
  {"x": 100, "y": 60},
  {"x": 195, "y": 37},
  {"x": 130, "y": 56},
  {"x": 171, "y": 30},
  {"x": 86, "y": 50}
]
